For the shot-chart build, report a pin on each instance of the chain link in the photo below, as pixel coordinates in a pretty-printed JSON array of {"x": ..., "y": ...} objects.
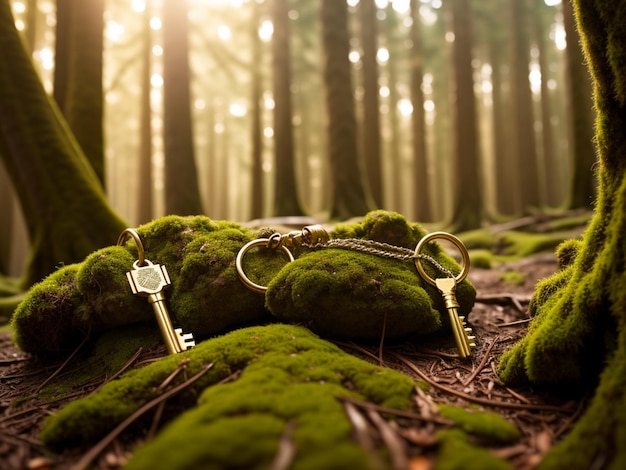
[{"x": 382, "y": 249}]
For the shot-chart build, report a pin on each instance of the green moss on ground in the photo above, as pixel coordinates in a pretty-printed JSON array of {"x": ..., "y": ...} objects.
[
  {"x": 341, "y": 292},
  {"x": 288, "y": 375},
  {"x": 457, "y": 453},
  {"x": 284, "y": 381}
]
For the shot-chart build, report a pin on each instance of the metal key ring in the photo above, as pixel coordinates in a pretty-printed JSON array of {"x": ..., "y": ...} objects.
[
  {"x": 455, "y": 241},
  {"x": 130, "y": 233},
  {"x": 239, "y": 262}
]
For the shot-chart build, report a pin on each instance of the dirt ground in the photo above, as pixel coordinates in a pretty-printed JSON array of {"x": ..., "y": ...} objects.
[{"x": 499, "y": 319}]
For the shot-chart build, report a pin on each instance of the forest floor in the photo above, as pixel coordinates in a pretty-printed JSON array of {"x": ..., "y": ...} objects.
[{"x": 499, "y": 319}]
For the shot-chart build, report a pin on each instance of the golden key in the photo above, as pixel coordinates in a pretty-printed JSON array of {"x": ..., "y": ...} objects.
[
  {"x": 447, "y": 286},
  {"x": 149, "y": 280}
]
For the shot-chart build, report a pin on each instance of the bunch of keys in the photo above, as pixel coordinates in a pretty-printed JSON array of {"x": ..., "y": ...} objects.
[
  {"x": 148, "y": 280},
  {"x": 463, "y": 335}
]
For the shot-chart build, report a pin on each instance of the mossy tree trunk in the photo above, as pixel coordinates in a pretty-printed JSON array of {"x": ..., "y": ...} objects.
[
  {"x": 350, "y": 196},
  {"x": 66, "y": 211},
  {"x": 578, "y": 335}
]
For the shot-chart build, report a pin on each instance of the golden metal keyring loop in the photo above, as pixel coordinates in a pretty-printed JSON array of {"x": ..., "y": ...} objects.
[
  {"x": 455, "y": 241},
  {"x": 239, "y": 262},
  {"x": 130, "y": 233}
]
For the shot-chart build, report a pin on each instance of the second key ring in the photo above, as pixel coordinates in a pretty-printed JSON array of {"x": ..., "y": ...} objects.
[
  {"x": 455, "y": 241},
  {"x": 265, "y": 242}
]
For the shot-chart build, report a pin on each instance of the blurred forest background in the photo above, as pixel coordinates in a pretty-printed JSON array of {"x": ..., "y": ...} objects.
[{"x": 456, "y": 112}]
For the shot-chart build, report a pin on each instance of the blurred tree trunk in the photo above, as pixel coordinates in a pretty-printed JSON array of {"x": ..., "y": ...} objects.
[
  {"x": 66, "y": 211},
  {"x": 467, "y": 206},
  {"x": 257, "y": 196},
  {"x": 6, "y": 216},
  {"x": 78, "y": 74},
  {"x": 522, "y": 147},
  {"x": 551, "y": 174},
  {"x": 371, "y": 109},
  {"x": 421, "y": 183},
  {"x": 182, "y": 194},
  {"x": 286, "y": 201},
  {"x": 350, "y": 198},
  {"x": 507, "y": 199},
  {"x": 580, "y": 116},
  {"x": 145, "y": 183}
]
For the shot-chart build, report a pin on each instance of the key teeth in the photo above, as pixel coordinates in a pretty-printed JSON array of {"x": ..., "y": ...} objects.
[{"x": 185, "y": 340}]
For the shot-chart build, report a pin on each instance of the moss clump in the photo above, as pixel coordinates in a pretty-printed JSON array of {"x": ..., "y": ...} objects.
[
  {"x": 488, "y": 426},
  {"x": 457, "y": 453},
  {"x": 515, "y": 278},
  {"x": 345, "y": 293},
  {"x": 206, "y": 297},
  {"x": 289, "y": 375}
]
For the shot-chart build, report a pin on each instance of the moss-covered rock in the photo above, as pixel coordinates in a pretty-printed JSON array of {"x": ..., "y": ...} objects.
[
  {"x": 341, "y": 292},
  {"x": 205, "y": 297}
]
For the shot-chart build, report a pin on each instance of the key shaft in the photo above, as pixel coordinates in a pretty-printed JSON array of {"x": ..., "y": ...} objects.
[{"x": 462, "y": 335}]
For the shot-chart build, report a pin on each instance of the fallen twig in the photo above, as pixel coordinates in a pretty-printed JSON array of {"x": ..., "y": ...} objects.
[
  {"x": 65, "y": 363},
  {"x": 482, "y": 362},
  {"x": 479, "y": 400}
]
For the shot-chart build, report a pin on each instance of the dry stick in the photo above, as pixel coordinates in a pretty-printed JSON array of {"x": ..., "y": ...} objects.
[
  {"x": 482, "y": 363},
  {"x": 392, "y": 411},
  {"x": 286, "y": 449},
  {"x": 395, "y": 445},
  {"x": 86, "y": 459},
  {"x": 58, "y": 371},
  {"x": 382, "y": 340},
  {"x": 122, "y": 370},
  {"x": 481, "y": 401},
  {"x": 514, "y": 323},
  {"x": 361, "y": 428}
]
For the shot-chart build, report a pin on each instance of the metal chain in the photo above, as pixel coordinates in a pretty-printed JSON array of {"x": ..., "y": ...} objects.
[{"x": 384, "y": 250}]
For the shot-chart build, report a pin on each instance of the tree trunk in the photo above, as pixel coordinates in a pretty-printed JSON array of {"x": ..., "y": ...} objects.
[
  {"x": 371, "y": 112},
  {"x": 79, "y": 52},
  {"x": 257, "y": 196},
  {"x": 182, "y": 194},
  {"x": 522, "y": 144},
  {"x": 65, "y": 208},
  {"x": 145, "y": 183},
  {"x": 421, "y": 183},
  {"x": 578, "y": 335},
  {"x": 286, "y": 201},
  {"x": 350, "y": 198},
  {"x": 467, "y": 210},
  {"x": 577, "y": 81}
]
